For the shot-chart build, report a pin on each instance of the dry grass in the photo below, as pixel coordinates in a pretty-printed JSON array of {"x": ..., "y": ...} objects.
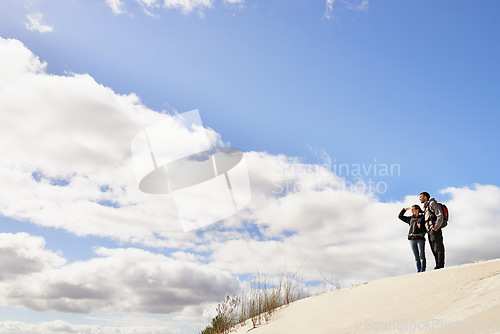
[{"x": 266, "y": 295}]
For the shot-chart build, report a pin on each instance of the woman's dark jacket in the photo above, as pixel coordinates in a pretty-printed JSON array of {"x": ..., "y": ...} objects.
[{"x": 415, "y": 232}]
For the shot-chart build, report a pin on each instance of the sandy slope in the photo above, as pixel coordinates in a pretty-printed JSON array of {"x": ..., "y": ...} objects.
[{"x": 462, "y": 299}]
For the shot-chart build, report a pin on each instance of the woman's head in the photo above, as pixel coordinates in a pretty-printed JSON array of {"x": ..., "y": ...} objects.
[{"x": 416, "y": 210}]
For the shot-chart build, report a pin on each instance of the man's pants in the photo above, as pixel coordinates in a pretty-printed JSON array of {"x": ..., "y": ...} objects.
[{"x": 437, "y": 247}]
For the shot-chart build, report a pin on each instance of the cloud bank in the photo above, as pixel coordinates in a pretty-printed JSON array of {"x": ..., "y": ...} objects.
[
  {"x": 65, "y": 162},
  {"x": 125, "y": 280}
]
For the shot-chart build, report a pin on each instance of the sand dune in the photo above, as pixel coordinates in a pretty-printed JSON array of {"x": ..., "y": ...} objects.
[{"x": 462, "y": 299}]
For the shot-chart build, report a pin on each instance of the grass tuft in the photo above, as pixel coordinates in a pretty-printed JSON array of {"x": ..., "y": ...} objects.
[{"x": 266, "y": 295}]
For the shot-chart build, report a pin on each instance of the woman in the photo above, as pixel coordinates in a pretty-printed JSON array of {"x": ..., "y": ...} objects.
[{"x": 416, "y": 234}]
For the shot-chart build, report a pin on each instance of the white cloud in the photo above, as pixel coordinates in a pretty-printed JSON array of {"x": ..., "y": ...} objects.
[
  {"x": 184, "y": 6},
  {"x": 472, "y": 232},
  {"x": 329, "y": 9},
  {"x": 149, "y": 3},
  {"x": 125, "y": 280},
  {"x": 22, "y": 254},
  {"x": 149, "y": 6},
  {"x": 36, "y": 23},
  {"x": 187, "y": 6},
  {"x": 332, "y": 6},
  {"x": 71, "y": 131},
  {"x": 53, "y": 327},
  {"x": 116, "y": 6}
]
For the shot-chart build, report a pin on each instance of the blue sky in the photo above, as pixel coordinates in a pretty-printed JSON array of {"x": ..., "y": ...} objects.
[
  {"x": 306, "y": 87},
  {"x": 297, "y": 79}
]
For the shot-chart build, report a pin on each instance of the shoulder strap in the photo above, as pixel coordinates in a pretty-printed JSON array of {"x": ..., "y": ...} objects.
[{"x": 429, "y": 206}]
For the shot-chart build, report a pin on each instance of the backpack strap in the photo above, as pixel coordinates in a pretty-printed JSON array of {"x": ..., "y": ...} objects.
[{"x": 432, "y": 216}]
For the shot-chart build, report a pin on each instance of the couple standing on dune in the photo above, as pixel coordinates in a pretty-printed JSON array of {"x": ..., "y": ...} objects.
[{"x": 429, "y": 221}]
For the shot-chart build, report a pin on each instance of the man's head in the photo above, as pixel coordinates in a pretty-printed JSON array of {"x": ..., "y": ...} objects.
[
  {"x": 424, "y": 197},
  {"x": 415, "y": 210}
]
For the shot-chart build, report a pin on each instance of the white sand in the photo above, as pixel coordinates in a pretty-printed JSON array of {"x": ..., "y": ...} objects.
[{"x": 462, "y": 299}]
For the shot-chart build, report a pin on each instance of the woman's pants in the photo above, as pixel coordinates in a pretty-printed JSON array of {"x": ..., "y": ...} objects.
[{"x": 418, "y": 248}]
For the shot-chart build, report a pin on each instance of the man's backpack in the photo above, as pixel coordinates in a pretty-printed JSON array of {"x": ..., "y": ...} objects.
[{"x": 446, "y": 214}]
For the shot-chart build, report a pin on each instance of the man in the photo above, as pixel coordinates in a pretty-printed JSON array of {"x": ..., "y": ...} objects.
[{"x": 433, "y": 222}]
